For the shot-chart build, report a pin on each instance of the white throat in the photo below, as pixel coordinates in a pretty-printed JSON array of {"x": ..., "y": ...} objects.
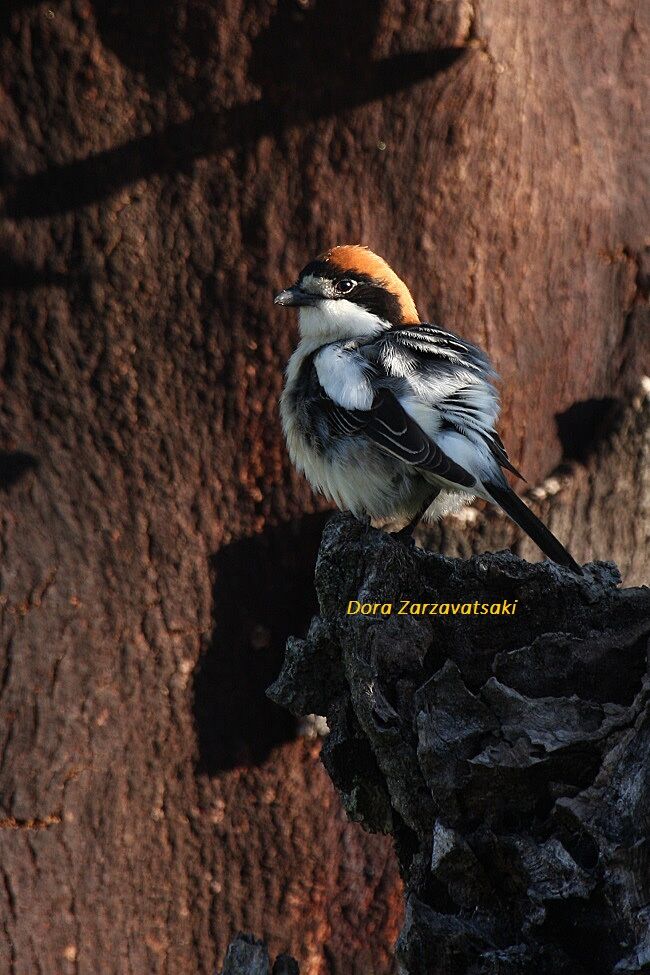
[{"x": 333, "y": 320}]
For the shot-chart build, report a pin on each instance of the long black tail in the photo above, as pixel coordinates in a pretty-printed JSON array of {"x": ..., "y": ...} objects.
[{"x": 524, "y": 517}]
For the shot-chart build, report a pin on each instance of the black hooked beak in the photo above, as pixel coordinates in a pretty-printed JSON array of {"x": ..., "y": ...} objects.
[{"x": 296, "y": 297}]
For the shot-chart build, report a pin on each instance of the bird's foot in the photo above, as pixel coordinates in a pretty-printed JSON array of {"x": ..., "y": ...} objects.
[
  {"x": 406, "y": 536},
  {"x": 366, "y": 523}
]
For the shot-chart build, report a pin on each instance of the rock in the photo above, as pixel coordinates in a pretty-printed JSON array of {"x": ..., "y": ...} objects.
[
  {"x": 505, "y": 748},
  {"x": 247, "y": 956}
]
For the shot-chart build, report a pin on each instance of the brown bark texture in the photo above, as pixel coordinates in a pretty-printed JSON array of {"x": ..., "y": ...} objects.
[{"x": 164, "y": 168}]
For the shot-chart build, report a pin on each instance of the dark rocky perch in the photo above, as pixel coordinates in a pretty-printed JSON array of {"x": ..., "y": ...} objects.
[
  {"x": 247, "y": 956},
  {"x": 507, "y": 755}
]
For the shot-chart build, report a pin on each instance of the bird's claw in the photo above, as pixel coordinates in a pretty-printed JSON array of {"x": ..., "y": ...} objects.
[{"x": 406, "y": 536}]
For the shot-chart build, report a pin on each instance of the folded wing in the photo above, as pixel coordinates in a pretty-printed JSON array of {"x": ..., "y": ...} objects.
[
  {"x": 449, "y": 373},
  {"x": 391, "y": 428}
]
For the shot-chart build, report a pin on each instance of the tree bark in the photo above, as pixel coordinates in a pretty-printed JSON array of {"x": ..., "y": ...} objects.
[{"x": 164, "y": 168}]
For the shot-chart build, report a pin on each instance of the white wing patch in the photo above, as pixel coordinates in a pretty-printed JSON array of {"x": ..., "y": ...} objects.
[{"x": 343, "y": 374}]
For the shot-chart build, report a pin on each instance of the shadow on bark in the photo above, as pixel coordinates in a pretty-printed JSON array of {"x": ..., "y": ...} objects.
[
  {"x": 260, "y": 596},
  {"x": 17, "y": 276},
  {"x": 586, "y": 424},
  {"x": 303, "y": 62},
  {"x": 11, "y": 7},
  {"x": 14, "y": 465},
  {"x": 506, "y": 754}
]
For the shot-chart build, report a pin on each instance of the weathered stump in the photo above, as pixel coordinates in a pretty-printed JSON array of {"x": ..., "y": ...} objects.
[{"x": 506, "y": 754}]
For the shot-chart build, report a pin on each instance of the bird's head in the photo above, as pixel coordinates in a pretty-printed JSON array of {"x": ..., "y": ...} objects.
[{"x": 348, "y": 293}]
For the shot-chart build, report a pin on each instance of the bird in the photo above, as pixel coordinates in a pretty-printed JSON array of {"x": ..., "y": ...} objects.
[{"x": 390, "y": 417}]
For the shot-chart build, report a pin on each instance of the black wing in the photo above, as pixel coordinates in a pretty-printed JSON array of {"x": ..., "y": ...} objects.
[
  {"x": 499, "y": 452},
  {"x": 521, "y": 514},
  {"x": 390, "y": 427}
]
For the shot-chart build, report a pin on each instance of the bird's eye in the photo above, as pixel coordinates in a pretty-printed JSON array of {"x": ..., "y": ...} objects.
[{"x": 345, "y": 286}]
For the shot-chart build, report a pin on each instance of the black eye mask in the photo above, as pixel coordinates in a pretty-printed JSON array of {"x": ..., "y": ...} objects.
[{"x": 367, "y": 292}]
